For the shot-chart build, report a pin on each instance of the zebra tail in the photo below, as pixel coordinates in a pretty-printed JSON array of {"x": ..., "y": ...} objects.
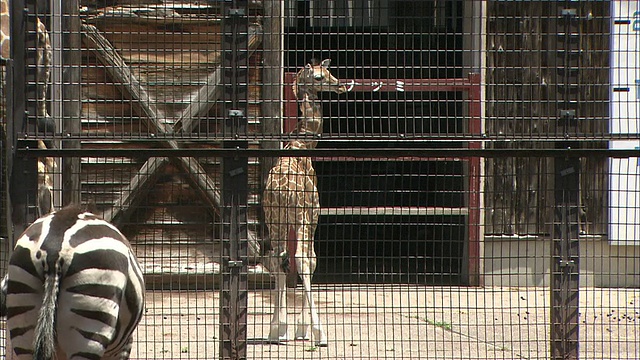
[
  {"x": 3, "y": 296},
  {"x": 44, "y": 346}
]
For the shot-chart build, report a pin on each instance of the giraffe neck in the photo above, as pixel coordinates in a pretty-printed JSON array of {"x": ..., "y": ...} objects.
[
  {"x": 310, "y": 120},
  {"x": 44, "y": 55},
  {"x": 4, "y": 30},
  {"x": 44, "y": 60}
]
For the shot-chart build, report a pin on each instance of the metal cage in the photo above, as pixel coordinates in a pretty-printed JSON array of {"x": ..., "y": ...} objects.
[{"x": 442, "y": 179}]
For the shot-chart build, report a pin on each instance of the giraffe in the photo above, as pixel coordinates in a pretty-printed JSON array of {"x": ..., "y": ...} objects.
[
  {"x": 291, "y": 201},
  {"x": 44, "y": 55}
]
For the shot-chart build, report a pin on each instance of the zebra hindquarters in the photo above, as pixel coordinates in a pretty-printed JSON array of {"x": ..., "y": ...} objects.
[
  {"x": 24, "y": 302},
  {"x": 98, "y": 310},
  {"x": 87, "y": 316},
  {"x": 75, "y": 289}
]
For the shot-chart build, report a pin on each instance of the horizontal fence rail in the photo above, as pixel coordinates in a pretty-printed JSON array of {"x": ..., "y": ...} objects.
[{"x": 354, "y": 152}]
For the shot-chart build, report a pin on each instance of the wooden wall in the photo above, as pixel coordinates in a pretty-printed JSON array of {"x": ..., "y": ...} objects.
[
  {"x": 171, "y": 53},
  {"x": 521, "y": 88}
]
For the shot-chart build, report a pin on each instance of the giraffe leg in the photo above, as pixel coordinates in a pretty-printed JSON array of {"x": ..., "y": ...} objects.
[
  {"x": 275, "y": 261},
  {"x": 317, "y": 332},
  {"x": 303, "y": 267},
  {"x": 278, "y": 327},
  {"x": 306, "y": 262},
  {"x": 304, "y": 320}
]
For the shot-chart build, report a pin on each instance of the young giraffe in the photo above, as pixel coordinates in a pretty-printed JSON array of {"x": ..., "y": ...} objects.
[
  {"x": 291, "y": 201},
  {"x": 45, "y": 123}
]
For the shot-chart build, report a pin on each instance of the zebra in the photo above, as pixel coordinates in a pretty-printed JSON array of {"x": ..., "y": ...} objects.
[{"x": 74, "y": 289}]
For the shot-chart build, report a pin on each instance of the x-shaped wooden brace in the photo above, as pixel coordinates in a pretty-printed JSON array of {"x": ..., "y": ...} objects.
[{"x": 200, "y": 103}]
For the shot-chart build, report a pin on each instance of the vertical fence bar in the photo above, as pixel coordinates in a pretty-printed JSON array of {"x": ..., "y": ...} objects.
[
  {"x": 71, "y": 98},
  {"x": 272, "y": 73},
  {"x": 566, "y": 227},
  {"x": 234, "y": 284},
  {"x": 474, "y": 231},
  {"x": 9, "y": 147},
  {"x": 23, "y": 79}
]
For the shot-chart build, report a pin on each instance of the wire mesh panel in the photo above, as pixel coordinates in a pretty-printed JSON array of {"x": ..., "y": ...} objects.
[{"x": 379, "y": 179}]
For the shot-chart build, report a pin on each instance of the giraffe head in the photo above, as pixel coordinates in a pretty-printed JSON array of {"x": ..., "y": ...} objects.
[{"x": 315, "y": 77}]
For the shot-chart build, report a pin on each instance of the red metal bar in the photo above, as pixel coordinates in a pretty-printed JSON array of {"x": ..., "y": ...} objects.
[
  {"x": 472, "y": 86},
  {"x": 380, "y": 85},
  {"x": 290, "y": 104}
]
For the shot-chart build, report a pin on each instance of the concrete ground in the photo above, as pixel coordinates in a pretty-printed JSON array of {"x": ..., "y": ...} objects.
[{"x": 399, "y": 322}]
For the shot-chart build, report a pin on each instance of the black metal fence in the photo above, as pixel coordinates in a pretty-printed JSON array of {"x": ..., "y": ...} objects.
[{"x": 477, "y": 172}]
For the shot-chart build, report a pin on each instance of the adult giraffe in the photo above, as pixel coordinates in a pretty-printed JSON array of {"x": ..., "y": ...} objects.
[
  {"x": 44, "y": 55},
  {"x": 291, "y": 201}
]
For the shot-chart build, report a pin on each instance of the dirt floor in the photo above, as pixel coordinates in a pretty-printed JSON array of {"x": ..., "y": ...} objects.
[{"x": 399, "y": 322}]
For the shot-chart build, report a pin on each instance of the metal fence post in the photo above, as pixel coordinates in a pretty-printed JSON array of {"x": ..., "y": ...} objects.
[
  {"x": 72, "y": 96},
  {"x": 234, "y": 284},
  {"x": 23, "y": 79},
  {"x": 566, "y": 228}
]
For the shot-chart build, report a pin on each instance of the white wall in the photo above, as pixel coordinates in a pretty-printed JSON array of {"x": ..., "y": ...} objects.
[{"x": 526, "y": 261}]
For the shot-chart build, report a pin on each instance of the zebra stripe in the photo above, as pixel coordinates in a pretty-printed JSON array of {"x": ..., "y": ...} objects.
[{"x": 74, "y": 289}]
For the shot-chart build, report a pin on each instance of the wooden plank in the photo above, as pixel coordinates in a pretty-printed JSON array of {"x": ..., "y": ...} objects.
[
  {"x": 200, "y": 276},
  {"x": 170, "y": 58},
  {"x": 146, "y": 176},
  {"x": 159, "y": 40},
  {"x": 165, "y": 14}
]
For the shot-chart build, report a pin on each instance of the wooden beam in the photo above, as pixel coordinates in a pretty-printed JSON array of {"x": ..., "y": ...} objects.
[
  {"x": 204, "y": 184},
  {"x": 144, "y": 105},
  {"x": 118, "y": 69},
  {"x": 202, "y": 100},
  {"x": 130, "y": 197}
]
